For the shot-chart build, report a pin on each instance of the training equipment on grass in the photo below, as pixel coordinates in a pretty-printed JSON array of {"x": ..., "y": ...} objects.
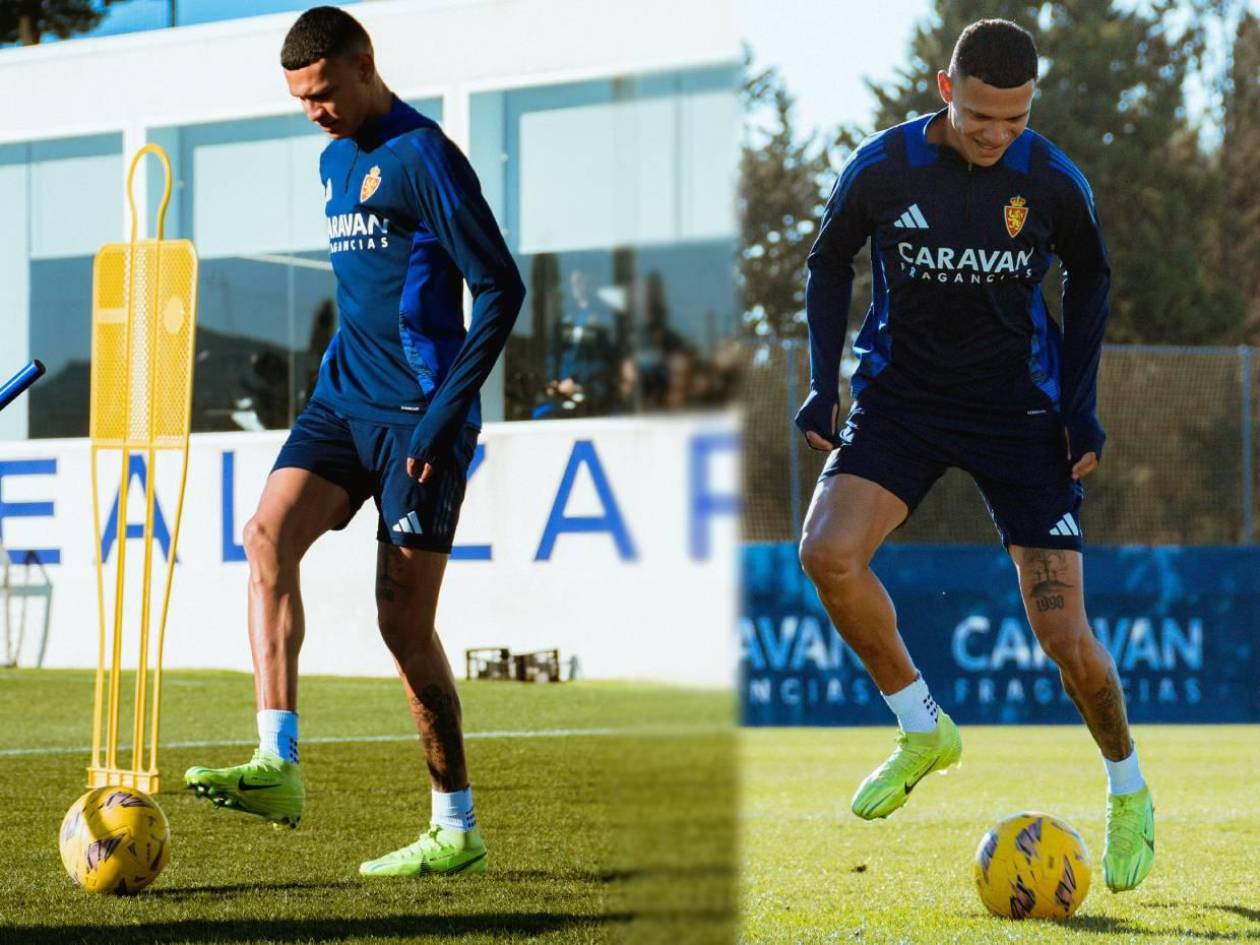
[
  {"x": 115, "y": 840},
  {"x": 14, "y": 386},
  {"x": 144, "y": 302},
  {"x": 1032, "y": 866}
]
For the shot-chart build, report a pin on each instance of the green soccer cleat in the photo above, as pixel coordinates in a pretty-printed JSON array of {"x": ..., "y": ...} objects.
[
  {"x": 438, "y": 851},
  {"x": 1129, "y": 852},
  {"x": 267, "y": 786},
  {"x": 918, "y": 754}
]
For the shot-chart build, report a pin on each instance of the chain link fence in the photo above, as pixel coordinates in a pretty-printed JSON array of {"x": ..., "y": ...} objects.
[{"x": 1179, "y": 466}]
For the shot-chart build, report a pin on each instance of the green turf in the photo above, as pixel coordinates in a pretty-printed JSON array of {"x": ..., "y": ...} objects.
[
  {"x": 621, "y": 837},
  {"x": 812, "y": 872}
]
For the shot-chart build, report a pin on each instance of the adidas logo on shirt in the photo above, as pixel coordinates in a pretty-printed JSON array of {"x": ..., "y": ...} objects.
[
  {"x": 1066, "y": 526},
  {"x": 409, "y": 524},
  {"x": 912, "y": 219}
]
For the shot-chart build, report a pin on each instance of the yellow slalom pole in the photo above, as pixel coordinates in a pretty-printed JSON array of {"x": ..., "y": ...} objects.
[{"x": 144, "y": 320}]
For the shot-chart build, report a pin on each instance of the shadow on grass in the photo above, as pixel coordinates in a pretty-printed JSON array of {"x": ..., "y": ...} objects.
[
  {"x": 1112, "y": 925},
  {"x": 188, "y": 892},
  {"x": 1252, "y": 915},
  {"x": 324, "y": 929}
]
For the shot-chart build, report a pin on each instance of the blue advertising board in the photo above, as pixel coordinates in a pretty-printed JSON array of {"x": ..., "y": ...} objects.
[{"x": 1181, "y": 624}]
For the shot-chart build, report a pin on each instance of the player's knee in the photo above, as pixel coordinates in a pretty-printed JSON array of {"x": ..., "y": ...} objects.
[
  {"x": 829, "y": 560},
  {"x": 263, "y": 550},
  {"x": 403, "y": 634},
  {"x": 1064, "y": 643}
]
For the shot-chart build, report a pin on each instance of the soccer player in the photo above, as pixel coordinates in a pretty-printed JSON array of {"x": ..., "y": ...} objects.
[
  {"x": 394, "y": 416},
  {"x": 960, "y": 365}
]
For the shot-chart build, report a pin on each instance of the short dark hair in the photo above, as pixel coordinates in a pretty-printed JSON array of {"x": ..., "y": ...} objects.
[
  {"x": 997, "y": 52},
  {"x": 322, "y": 33}
]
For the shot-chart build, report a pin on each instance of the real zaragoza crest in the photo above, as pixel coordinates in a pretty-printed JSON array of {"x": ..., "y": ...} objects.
[
  {"x": 372, "y": 180},
  {"x": 1015, "y": 213}
]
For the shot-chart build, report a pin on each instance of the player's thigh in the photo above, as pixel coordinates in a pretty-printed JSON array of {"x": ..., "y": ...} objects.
[
  {"x": 1052, "y": 586},
  {"x": 296, "y": 507},
  {"x": 849, "y": 517},
  {"x": 408, "y": 581}
]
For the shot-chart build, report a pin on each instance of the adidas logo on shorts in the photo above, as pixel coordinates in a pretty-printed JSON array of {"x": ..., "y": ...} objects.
[
  {"x": 409, "y": 524},
  {"x": 1066, "y": 526}
]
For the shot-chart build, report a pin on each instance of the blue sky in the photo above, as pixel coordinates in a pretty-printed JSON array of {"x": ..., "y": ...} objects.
[{"x": 135, "y": 15}]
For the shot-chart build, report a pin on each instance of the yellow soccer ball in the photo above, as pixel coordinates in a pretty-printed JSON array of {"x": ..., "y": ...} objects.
[
  {"x": 115, "y": 840},
  {"x": 1034, "y": 866}
]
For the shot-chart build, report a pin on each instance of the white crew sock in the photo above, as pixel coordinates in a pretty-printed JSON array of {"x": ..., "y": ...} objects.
[
  {"x": 914, "y": 706},
  {"x": 278, "y": 733},
  {"x": 454, "y": 811},
  {"x": 1124, "y": 777}
]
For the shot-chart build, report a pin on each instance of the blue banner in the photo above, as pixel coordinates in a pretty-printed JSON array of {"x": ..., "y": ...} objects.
[{"x": 1181, "y": 624}]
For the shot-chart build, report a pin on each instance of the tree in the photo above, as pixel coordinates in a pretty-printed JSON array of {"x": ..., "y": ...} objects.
[
  {"x": 27, "y": 21},
  {"x": 1110, "y": 95},
  {"x": 1240, "y": 156},
  {"x": 782, "y": 191}
]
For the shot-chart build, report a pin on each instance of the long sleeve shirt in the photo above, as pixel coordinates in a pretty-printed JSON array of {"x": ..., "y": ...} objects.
[
  {"x": 407, "y": 226},
  {"x": 958, "y": 253}
]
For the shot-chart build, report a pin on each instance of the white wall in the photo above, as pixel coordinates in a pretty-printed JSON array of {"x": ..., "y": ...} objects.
[
  {"x": 661, "y": 604},
  {"x": 230, "y": 70}
]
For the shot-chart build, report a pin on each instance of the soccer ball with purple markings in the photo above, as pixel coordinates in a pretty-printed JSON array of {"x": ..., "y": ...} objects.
[
  {"x": 115, "y": 841},
  {"x": 1032, "y": 866}
]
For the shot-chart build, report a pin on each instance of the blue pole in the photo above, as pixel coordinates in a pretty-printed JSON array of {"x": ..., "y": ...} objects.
[
  {"x": 20, "y": 381},
  {"x": 1248, "y": 468}
]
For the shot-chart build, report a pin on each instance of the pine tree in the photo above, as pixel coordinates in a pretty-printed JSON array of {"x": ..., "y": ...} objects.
[
  {"x": 782, "y": 191},
  {"x": 1240, "y": 156},
  {"x": 27, "y": 21}
]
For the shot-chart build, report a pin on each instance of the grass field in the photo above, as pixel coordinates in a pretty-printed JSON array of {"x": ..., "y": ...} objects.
[
  {"x": 812, "y": 872},
  {"x": 609, "y": 810}
]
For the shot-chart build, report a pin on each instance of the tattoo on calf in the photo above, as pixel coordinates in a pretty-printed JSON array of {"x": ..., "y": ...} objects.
[
  {"x": 437, "y": 714},
  {"x": 1110, "y": 721}
]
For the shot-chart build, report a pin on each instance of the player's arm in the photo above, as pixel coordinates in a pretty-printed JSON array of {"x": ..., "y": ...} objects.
[
  {"x": 1079, "y": 244},
  {"x": 452, "y": 206},
  {"x": 845, "y": 228}
]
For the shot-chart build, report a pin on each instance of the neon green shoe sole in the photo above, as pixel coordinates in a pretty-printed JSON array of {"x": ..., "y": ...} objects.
[
  {"x": 438, "y": 852},
  {"x": 918, "y": 754},
  {"x": 1129, "y": 852},
  {"x": 265, "y": 786}
]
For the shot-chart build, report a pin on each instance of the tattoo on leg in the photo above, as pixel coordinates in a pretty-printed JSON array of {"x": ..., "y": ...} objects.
[
  {"x": 1109, "y": 718},
  {"x": 387, "y": 583},
  {"x": 437, "y": 714},
  {"x": 1046, "y": 567}
]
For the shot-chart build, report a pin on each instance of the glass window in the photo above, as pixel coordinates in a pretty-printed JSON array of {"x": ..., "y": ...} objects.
[
  {"x": 67, "y": 196},
  {"x": 617, "y": 198}
]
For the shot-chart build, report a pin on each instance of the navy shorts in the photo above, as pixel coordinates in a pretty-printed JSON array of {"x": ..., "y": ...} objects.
[
  {"x": 1018, "y": 462},
  {"x": 370, "y": 459}
]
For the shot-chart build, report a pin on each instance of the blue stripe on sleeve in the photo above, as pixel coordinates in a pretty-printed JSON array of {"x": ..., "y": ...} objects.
[{"x": 860, "y": 161}]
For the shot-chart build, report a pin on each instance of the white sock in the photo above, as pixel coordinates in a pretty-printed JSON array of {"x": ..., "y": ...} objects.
[
  {"x": 914, "y": 707},
  {"x": 278, "y": 733},
  {"x": 1124, "y": 777},
  {"x": 454, "y": 811}
]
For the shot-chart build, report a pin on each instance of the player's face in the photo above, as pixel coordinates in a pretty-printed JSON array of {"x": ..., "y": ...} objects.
[
  {"x": 984, "y": 119},
  {"x": 335, "y": 93}
]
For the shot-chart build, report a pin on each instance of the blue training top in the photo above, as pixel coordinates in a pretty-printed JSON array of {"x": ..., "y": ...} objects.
[
  {"x": 407, "y": 225},
  {"x": 958, "y": 252}
]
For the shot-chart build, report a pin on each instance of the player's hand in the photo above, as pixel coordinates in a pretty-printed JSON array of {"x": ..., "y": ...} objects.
[
  {"x": 423, "y": 475},
  {"x": 1085, "y": 465},
  {"x": 816, "y": 442},
  {"x": 817, "y": 419}
]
